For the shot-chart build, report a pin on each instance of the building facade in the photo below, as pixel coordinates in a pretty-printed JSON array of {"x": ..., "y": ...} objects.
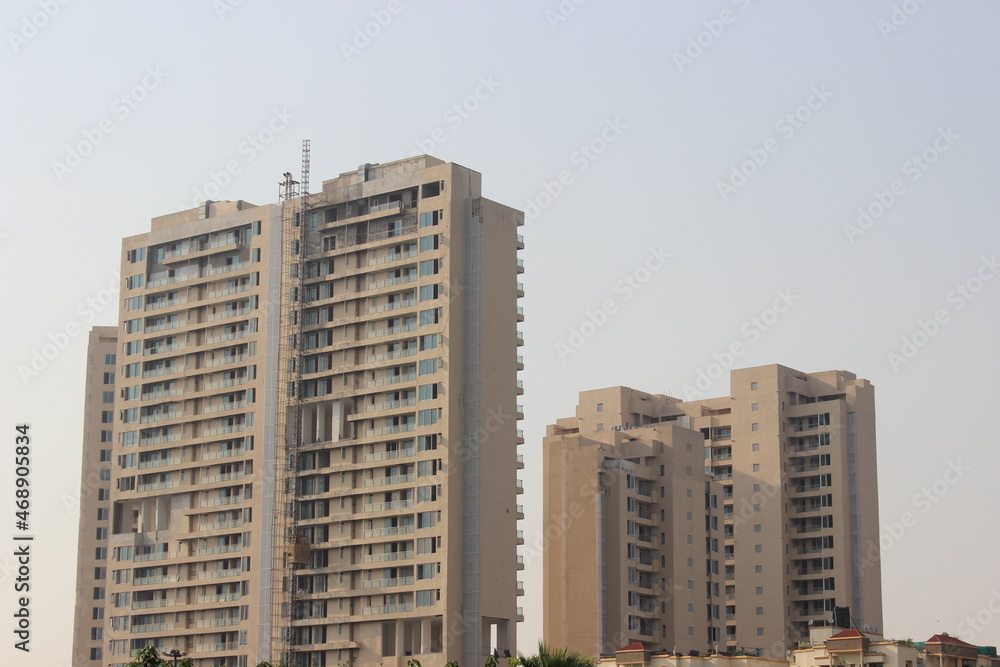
[
  {"x": 794, "y": 455},
  {"x": 95, "y": 499},
  {"x": 633, "y": 534},
  {"x": 316, "y": 422}
]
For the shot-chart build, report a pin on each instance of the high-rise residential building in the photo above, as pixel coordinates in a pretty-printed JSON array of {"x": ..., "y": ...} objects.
[
  {"x": 95, "y": 499},
  {"x": 315, "y": 438},
  {"x": 795, "y": 456},
  {"x": 634, "y": 533}
]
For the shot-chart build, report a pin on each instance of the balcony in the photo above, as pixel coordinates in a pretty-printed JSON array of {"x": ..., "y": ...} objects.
[
  {"x": 206, "y": 648},
  {"x": 231, "y": 382},
  {"x": 221, "y": 549},
  {"x": 161, "y": 349},
  {"x": 387, "y": 609},
  {"x": 163, "y": 370},
  {"x": 227, "y": 314},
  {"x": 223, "y": 477},
  {"x": 215, "y": 574},
  {"x": 389, "y": 282},
  {"x": 224, "y": 453},
  {"x": 227, "y": 268},
  {"x": 392, "y": 257},
  {"x": 152, "y": 627},
  {"x": 227, "y": 359},
  {"x": 226, "y": 406},
  {"x": 156, "y": 463},
  {"x": 394, "y": 479},
  {"x": 157, "y": 486},
  {"x": 387, "y": 583},
  {"x": 391, "y": 505},
  {"x": 161, "y": 416},
  {"x": 233, "y": 335},
  {"x": 225, "y": 291},
  {"x": 173, "y": 324},
  {"x": 391, "y": 379},
  {"x": 386, "y": 532},
  {"x": 395, "y": 305},
  {"x": 165, "y": 303},
  {"x": 386, "y": 557},
  {"x": 378, "y": 333},
  {"x": 391, "y": 405},
  {"x": 152, "y": 395},
  {"x": 162, "y": 579},
  {"x": 394, "y": 454}
]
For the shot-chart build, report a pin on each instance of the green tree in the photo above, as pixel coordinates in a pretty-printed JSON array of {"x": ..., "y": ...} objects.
[
  {"x": 148, "y": 657},
  {"x": 548, "y": 656}
]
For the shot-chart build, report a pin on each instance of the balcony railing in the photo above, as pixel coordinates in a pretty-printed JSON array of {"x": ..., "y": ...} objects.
[{"x": 387, "y": 583}]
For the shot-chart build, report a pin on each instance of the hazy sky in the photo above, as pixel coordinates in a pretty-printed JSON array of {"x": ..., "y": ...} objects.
[{"x": 741, "y": 138}]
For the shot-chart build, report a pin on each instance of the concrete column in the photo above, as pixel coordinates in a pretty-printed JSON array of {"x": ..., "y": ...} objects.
[
  {"x": 400, "y": 640},
  {"x": 425, "y": 635}
]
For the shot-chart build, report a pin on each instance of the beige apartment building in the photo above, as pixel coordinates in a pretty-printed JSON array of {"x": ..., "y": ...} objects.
[
  {"x": 95, "y": 498},
  {"x": 315, "y": 440},
  {"x": 634, "y": 532},
  {"x": 794, "y": 454}
]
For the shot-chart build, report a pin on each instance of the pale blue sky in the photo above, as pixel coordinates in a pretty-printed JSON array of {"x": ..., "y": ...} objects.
[{"x": 678, "y": 130}]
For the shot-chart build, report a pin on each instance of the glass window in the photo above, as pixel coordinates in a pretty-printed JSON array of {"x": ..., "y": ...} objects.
[{"x": 428, "y": 267}]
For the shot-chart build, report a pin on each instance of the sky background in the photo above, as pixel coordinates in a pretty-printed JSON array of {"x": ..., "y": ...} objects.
[{"x": 742, "y": 138}]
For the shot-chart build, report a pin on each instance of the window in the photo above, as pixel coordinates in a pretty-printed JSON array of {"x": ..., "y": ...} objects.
[
  {"x": 760, "y": 632},
  {"x": 426, "y": 443},
  {"x": 753, "y": 386},
  {"x": 107, "y": 397},
  {"x": 96, "y": 633},
  {"x": 99, "y": 593},
  {"x": 109, "y": 378},
  {"x": 428, "y": 267},
  {"x": 758, "y": 548},
  {"x": 137, "y": 255},
  {"x": 102, "y": 513},
  {"x": 428, "y": 292},
  {"x": 429, "y": 317},
  {"x": 98, "y": 613},
  {"x": 756, "y": 487},
  {"x": 107, "y": 416},
  {"x": 429, "y": 243},
  {"x": 600, "y": 407},
  {"x": 109, "y": 359},
  {"x": 759, "y": 590},
  {"x": 756, "y": 467},
  {"x": 106, "y": 436},
  {"x": 758, "y": 569},
  {"x": 600, "y": 426},
  {"x": 754, "y": 407},
  {"x": 427, "y": 366},
  {"x": 427, "y": 392},
  {"x": 426, "y": 598},
  {"x": 754, "y": 426},
  {"x": 429, "y": 219},
  {"x": 756, "y": 528},
  {"x": 755, "y": 447},
  {"x": 426, "y": 571},
  {"x": 428, "y": 417},
  {"x": 104, "y": 494},
  {"x": 95, "y": 652}
]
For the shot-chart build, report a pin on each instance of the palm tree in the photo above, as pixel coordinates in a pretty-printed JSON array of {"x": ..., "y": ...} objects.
[{"x": 555, "y": 657}]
